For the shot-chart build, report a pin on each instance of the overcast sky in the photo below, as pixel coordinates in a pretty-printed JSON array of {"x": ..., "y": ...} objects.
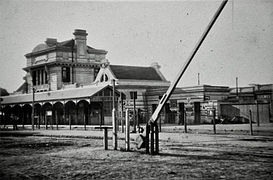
[{"x": 138, "y": 33}]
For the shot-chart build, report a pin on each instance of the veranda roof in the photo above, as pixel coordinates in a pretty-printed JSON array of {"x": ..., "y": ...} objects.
[{"x": 66, "y": 94}]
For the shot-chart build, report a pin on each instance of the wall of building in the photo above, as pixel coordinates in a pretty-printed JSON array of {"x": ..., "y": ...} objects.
[
  {"x": 95, "y": 57},
  {"x": 140, "y": 101},
  {"x": 84, "y": 75},
  {"x": 55, "y": 78}
]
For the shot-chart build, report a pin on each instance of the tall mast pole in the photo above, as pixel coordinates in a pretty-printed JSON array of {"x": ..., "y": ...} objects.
[
  {"x": 198, "y": 79},
  {"x": 167, "y": 95}
]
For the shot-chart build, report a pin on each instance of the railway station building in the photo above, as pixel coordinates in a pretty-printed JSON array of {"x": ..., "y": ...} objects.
[{"x": 71, "y": 83}]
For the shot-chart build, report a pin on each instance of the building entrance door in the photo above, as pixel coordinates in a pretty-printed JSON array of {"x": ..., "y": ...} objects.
[
  {"x": 197, "y": 114},
  {"x": 95, "y": 114}
]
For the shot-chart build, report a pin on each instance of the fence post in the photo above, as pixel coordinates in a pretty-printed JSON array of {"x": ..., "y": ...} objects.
[
  {"x": 105, "y": 137},
  {"x": 258, "y": 114},
  {"x": 127, "y": 130},
  {"x": 185, "y": 122},
  {"x": 115, "y": 138},
  {"x": 121, "y": 116},
  {"x": 69, "y": 120},
  {"x": 213, "y": 119},
  {"x": 122, "y": 122},
  {"x": 147, "y": 138},
  {"x": 84, "y": 120},
  {"x": 156, "y": 138},
  {"x": 46, "y": 118},
  {"x": 23, "y": 120},
  {"x": 51, "y": 118},
  {"x": 160, "y": 122},
  {"x": 57, "y": 123},
  {"x": 39, "y": 120},
  {"x": 152, "y": 138},
  {"x": 250, "y": 122}
]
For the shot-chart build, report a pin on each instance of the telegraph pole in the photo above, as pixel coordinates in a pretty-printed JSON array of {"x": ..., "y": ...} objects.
[
  {"x": 134, "y": 113},
  {"x": 198, "y": 78},
  {"x": 33, "y": 101},
  {"x": 133, "y": 95},
  {"x": 1, "y": 107},
  {"x": 115, "y": 139},
  {"x": 237, "y": 92}
]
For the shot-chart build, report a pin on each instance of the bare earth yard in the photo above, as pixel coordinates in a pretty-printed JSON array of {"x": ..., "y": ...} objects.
[{"x": 182, "y": 156}]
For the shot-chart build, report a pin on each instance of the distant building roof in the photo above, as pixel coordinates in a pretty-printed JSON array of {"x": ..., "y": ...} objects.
[
  {"x": 23, "y": 88},
  {"x": 135, "y": 72},
  {"x": 40, "y": 47}
]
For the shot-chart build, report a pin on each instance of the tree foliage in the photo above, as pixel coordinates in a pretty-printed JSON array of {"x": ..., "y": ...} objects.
[{"x": 3, "y": 92}]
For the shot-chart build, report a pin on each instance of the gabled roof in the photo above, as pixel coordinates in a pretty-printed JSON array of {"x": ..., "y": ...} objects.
[
  {"x": 68, "y": 44},
  {"x": 96, "y": 51},
  {"x": 135, "y": 72},
  {"x": 46, "y": 46}
]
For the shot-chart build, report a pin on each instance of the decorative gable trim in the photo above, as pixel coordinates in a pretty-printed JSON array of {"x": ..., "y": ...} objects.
[{"x": 105, "y": 75}]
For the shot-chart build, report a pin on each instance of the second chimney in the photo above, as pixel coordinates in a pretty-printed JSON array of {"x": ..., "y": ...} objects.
[{"x": 80, "y": 42}]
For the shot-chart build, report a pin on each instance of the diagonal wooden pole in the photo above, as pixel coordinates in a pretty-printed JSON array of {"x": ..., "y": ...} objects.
[{"x": 168, "y": 93}]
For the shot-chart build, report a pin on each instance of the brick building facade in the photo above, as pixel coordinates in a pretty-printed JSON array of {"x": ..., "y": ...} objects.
[
  {"x": 71, "y": 83},
  {"x": 57, "y": 65}
]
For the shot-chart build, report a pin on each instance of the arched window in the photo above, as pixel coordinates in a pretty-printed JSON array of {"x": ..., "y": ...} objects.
[{"x": 105, "y": 78}]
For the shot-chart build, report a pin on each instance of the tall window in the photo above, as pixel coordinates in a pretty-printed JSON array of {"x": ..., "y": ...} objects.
[
  {"x": 104, "y": 78},
  {"x": 42, "y": 76},
  {"x": 34, "y": 78},
  {"x": 38, "y": 77},
  {"x": 66, "y": 74},
  {"x": 46, "y": 80}
]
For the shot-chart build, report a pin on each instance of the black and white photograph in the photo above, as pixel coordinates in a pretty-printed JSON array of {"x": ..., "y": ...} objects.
[{"x": 135, "y": 89}]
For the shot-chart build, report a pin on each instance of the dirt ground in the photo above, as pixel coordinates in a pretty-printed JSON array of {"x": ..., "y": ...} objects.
[{"x": 182, "y": 156}]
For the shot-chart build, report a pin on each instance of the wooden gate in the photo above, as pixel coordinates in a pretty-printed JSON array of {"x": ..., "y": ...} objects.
[{"x": 261, "y": 111}]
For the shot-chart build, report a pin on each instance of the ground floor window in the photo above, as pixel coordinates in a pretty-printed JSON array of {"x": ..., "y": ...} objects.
[{"x": 107, "y": 108}]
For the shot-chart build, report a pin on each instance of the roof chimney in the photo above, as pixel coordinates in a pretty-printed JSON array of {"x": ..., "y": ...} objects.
[
  {"x": 51, "y": 41},
  {"x": 80, "y": 33},
  {"x": 155, "y": 65},
  {"x": 80, "y": 42}
]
